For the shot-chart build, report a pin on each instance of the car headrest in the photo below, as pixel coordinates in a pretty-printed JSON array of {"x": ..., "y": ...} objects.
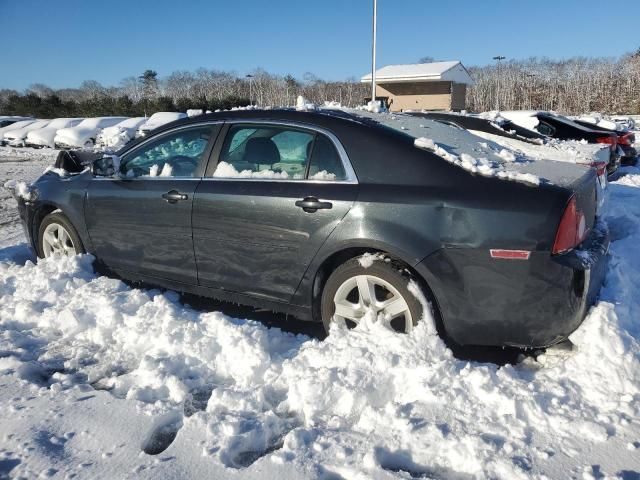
[{"x": 261, "y": 150}]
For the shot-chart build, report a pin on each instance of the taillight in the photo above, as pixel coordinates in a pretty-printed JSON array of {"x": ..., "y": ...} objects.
[
  {"x": 610, "y": 140},
  {"x": 572, "y": 228},
  {"x": 601, "y": 167},
  {"x": 627, "y": 139}
]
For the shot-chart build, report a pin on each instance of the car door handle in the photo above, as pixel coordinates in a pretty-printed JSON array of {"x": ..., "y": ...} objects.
[
  {"x": 311, "y": 204},
  {"x": 174, "y": 196}
]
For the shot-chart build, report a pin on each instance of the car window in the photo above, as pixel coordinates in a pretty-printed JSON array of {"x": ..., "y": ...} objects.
[
  {"x": 265, "y": 152},
  {"x": 174, "y": 155},
  {"x": 325, "y": 162},
  {"x": 546, "y": 129},
  {"x": 274, "y": 152}
]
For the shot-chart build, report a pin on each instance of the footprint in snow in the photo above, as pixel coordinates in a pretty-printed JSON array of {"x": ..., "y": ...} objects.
[{"x": 163, "y": 433}]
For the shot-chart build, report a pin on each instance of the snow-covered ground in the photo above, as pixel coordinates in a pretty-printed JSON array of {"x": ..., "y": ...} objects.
[{"x": 96, "y": 378}]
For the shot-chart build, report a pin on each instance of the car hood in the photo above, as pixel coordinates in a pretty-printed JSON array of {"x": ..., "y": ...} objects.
[{"x": 76, "y": 136}]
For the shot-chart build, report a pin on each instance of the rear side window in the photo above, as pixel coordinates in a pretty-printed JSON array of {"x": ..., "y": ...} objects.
[
  {"x": 275, "y": 152},
  {"x": 325, "y": 162}
]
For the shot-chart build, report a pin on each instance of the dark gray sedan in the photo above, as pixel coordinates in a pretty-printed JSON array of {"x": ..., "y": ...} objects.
[{"x": 331, "y": 216}]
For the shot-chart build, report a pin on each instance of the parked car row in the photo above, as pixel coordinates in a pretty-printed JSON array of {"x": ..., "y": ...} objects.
[
  {"x": 72, "y": 133},
  {"x": 552, "y": 125}
]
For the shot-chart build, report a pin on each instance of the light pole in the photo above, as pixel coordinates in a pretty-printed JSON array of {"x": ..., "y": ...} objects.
[
  {"x": 250, "y": 77},
  {"x": 498, "y": 58},
  {"x": 373, "y": 53}
]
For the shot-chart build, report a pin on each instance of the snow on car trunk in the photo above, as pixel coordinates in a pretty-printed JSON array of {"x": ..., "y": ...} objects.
[{"x": 224, "y": 393}]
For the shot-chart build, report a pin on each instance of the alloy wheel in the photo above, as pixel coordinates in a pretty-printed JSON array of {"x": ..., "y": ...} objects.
[
  {"x": 362, "y": 294},
  {"x": 57, "y": 241}
]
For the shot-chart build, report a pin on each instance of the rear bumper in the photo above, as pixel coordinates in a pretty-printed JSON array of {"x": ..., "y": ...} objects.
[{"x": 523, "y": 303}]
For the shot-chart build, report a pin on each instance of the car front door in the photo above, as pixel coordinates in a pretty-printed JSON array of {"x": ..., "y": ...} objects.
[
  {"x": 272, "y": 195},
  {"x": 140, "y": 220}
]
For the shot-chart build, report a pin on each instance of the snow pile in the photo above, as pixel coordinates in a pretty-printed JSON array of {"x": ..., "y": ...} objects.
[
  {"x": 302, "y": 104},
  {"x": 331, "y": 104},
  {"x": 571, "y": 151},
  {"x": 226, "y": 170},
  {"x": 481, "y": 166},
  {"x": 598, "y": 120},
  {"x": 362, "y": 402}
]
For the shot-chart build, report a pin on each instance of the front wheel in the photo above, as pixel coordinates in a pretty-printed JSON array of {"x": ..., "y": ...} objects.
[
  {"x": 57, "y": 237},
  {"x": 379, "y": 291}
]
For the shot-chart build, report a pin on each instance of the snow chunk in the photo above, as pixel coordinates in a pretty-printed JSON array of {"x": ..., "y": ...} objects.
[
  {"x": 226, "y": 170},
  {"x": 302, "y": 104},
  {"x": 367, "y": 259},
  {"x": 20, "y": 190},
  {"x": 323, "y": 175},
  {"x": 481, "y": 166}
]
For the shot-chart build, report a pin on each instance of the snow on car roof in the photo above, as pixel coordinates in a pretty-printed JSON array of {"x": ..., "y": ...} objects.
[{"x": 461, "y": 147}]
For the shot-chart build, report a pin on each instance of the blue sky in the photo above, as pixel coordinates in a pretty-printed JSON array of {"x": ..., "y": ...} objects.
[{"x": 63, "y": 42}]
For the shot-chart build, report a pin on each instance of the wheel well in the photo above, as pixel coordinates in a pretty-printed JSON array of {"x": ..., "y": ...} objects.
[
  {"x": 338, "y": 258},
  {"x": 39, "y": 215}
]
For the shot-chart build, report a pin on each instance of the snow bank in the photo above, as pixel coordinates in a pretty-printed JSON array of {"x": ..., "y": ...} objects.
[{"x": 364, "y": 403}]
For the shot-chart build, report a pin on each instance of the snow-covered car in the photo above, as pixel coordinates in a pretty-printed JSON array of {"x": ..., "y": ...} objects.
[
  {"x": 17, "y": 136},
  {"x": 626, "y": 137},
  {"x": 157, "y": 120},
  {"x": 119, "y": 135},
  {"x": 624, "y": 121},
  {"x": 15, "y": 126},
  {"x": 339, "y": 217},
  {"x": 44, "y": 137},
  {"x": 552, "y": 125},
  {"x": 7, "y": 120},
  {"x": 84, "y": 134}
]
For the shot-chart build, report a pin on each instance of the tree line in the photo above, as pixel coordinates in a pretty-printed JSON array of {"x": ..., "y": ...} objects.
[{"x": 572, "y": 86}]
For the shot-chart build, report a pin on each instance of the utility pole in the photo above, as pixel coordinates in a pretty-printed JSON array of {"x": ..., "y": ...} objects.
[
  {"x": 250, "y": 77},
  {"x": 498, "y": 58},
  {"x": 373, "y": 52}
]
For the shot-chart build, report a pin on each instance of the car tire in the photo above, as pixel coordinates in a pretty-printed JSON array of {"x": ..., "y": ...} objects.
[
  {"x": 385, "y": 280},
  {"x": 57, "y": 236}
]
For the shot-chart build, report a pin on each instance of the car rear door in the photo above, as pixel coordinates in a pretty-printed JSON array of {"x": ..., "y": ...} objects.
[
  {"x": 272, "y": 196},
  {"x": 140, "y": 221}
]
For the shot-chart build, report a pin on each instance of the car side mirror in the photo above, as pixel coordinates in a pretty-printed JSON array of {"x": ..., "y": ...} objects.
[{"x": 103, "y": 167}]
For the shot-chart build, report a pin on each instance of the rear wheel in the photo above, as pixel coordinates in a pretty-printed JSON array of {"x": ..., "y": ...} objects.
[
  {"x": 57, "y": 237},
  {"x": 380, "y": 290}
]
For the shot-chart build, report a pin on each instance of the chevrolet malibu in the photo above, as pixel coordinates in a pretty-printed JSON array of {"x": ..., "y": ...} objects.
[{"x": 334, "y": 216}]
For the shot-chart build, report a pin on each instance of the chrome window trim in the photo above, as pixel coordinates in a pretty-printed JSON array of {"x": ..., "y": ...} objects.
[{"x": 351, "y": 179}]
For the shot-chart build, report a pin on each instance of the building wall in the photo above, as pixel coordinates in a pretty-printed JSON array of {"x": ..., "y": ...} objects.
[
  {"x": 423, "y": 95},
  {"x": 459, "y": 96}
]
